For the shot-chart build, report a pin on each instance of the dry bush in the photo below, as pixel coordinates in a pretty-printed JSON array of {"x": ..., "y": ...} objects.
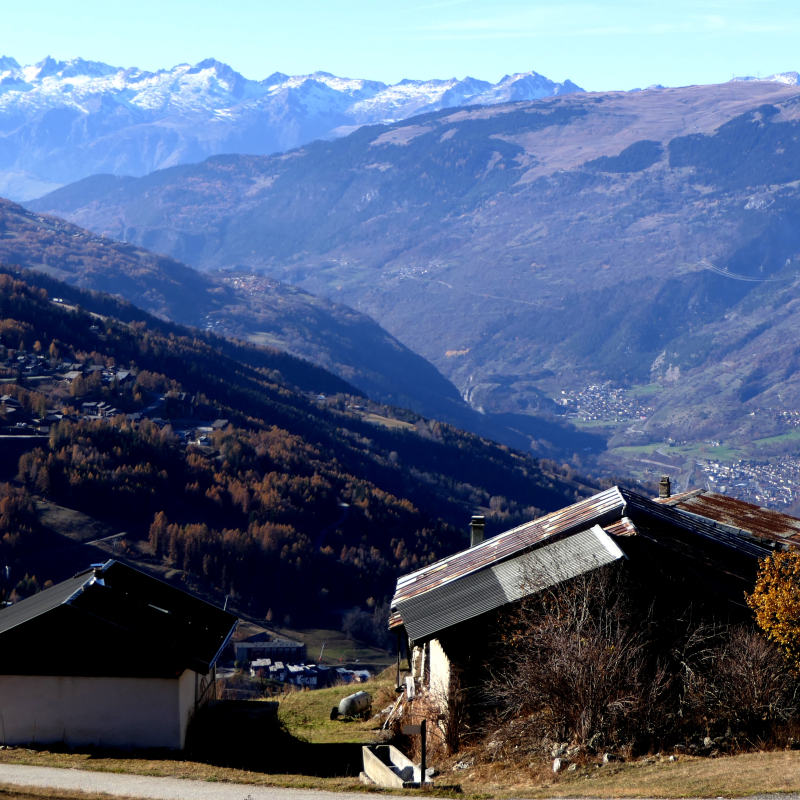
[
  {"x": 581, "y": 663},
  {"x": 453, "y": 714},
  {"x": 737, "y": 685},
  {"x": 577, "y": 667}
]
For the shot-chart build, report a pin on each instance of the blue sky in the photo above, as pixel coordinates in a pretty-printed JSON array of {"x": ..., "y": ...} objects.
[{"x": 599, "y": 45}]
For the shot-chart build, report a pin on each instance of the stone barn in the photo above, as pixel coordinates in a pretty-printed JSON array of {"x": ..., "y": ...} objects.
[{"x": 697, "y": 548}]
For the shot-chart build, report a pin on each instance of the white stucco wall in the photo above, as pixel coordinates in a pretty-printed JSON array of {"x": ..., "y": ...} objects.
[
  {"x": 188, "y": 689},
  {"x": 440, "y": 671},
  {"x": 107, "y": 712}
]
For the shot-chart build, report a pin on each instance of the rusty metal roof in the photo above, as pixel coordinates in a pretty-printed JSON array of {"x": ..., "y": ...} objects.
[
  {"x": 602, "y": 508},
  {"x": 760, "y": 523},
  {"x": 622, "y": 527},
  {"x": 684, "y": 524},
  {"x": 700, "y": 527},
  {"x": 554, "y": 561}
]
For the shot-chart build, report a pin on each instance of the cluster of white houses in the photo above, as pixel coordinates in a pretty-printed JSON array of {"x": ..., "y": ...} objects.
[{"x": 315, "y": 676}]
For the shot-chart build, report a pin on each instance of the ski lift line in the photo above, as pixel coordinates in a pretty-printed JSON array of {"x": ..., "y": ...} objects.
[{"x": 726, "y": 274}]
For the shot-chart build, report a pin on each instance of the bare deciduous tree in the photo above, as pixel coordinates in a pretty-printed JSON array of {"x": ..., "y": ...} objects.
[{"x": 577, "y": 665}]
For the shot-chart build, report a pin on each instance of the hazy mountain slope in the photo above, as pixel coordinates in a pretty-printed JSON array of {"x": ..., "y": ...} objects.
[
  {"x": 347, "y": 342},
  {"x": 529, "y": 247},
  {"x": 64, "y": 120},
  {"x": 288, "y": 318},
  {"x": 257, "y": 512}
]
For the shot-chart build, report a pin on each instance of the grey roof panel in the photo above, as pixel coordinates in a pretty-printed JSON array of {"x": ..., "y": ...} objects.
[
  {"x": 498, "y": 584},
  {"x": 600, "y": 509},
  {"x": 40, "y": 603}
]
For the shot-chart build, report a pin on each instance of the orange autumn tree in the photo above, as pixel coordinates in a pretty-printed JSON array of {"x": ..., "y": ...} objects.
[{"x": 776, "y": 601}]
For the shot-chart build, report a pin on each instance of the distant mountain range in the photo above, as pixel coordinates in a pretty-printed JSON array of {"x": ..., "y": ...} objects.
[
  {"x": 789, "y": 78},
  {"x": 64, "y": 120},
  {"x": 532, "y": 249},
  {"x": 340, "y": 339}
]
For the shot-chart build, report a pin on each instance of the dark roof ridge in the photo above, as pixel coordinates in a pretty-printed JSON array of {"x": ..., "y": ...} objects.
[{"x": 702, "y": 526}]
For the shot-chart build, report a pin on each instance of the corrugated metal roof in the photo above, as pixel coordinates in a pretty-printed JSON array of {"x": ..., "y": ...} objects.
[
  {"x": 447, "y": 589},
  {"x": 496, "y": 585},
  {"x": 622, "y": 527},
  {"x": 44, "y": 601},
  {"x": 638, "y": 506},
  {"x": 763, "y": 523},
  {"x": 604, "y": 507}
]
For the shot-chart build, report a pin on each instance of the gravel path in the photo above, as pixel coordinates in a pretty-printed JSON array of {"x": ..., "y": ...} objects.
[
  {"x": 155, "y": 788},
  {"x": 144, "y": 786}
]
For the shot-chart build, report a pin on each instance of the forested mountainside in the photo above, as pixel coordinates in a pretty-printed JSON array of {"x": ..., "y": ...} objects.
[
  {"x": 530, "y": 249},
  {"x": 293, "y": 500},
  {"x": 264, "y": 311}
]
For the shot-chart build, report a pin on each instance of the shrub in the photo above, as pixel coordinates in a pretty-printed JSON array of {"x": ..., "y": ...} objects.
[
  {"x": 776, "y": 602},
  {"x": 577, "y": 665}
]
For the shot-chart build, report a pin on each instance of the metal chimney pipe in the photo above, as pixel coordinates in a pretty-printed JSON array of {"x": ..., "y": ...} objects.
[
  {"x": 664, "y": 488},
  {"x": 476, "y": 529}
]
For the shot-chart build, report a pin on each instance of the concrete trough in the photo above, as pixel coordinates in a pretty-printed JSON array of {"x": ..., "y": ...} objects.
[{"x": 386, "y": 766}]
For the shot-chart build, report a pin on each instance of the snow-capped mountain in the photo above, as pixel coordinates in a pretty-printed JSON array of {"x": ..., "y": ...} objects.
[
  {"x": 64, "y": 120},
  {"x": 789, "y": 78}
]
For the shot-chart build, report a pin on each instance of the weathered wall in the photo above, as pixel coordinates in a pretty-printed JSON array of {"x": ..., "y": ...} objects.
[
  {"x": 107, "y": 712},
  {"x": 440, "y": 671},
  {"x": 188, "y": 690}
]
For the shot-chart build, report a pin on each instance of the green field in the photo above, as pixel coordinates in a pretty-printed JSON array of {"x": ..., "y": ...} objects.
[
  {"x": 643, "y": 392},
  {"x": 687, "y": 451},
  {"x": 792, "y": 436}
]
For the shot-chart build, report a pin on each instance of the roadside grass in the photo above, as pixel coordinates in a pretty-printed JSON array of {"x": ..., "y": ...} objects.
[
  {"x": 307, "y": 714},
  {"x": 729, "y": 776},
  {"x": 9, "y": 791}
]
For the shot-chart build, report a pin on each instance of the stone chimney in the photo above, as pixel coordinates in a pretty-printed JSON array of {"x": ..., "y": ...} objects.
[
  {"x": 664, "y": 488},
  {"x": 476, "y": 530}
]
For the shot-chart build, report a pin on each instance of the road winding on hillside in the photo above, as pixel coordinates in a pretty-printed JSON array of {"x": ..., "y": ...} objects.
[{"x": 145, "y": 786}]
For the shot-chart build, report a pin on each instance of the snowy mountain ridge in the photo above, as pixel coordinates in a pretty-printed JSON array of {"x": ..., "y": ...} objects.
[
  {"x": 789, "y": 78},
  {"x": 61, "y": 121}
]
